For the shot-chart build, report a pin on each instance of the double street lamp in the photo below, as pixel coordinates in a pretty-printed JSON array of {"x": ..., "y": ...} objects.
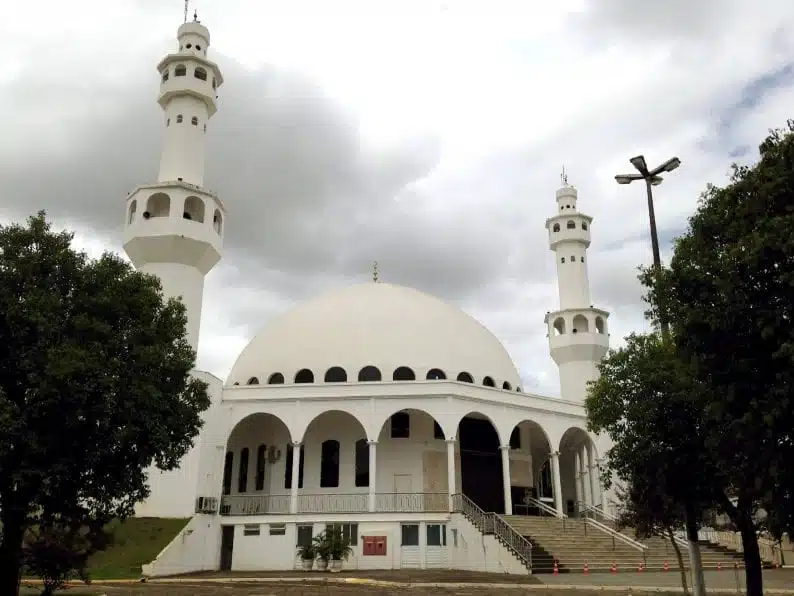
[{"x": 652, "y": 178}]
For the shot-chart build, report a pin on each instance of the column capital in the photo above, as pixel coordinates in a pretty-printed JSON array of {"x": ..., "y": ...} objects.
[
  {"x": 504, "y": 447},
  {"x": 452, "y": 440},
  {"x": 371, "y": 443},
  {"x": 297, "y": 444}
]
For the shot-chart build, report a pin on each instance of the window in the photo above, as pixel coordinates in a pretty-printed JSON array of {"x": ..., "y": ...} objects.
[
  {"x": 329, "y": 464},
  {"x": 288, "y": 470},
  {"x": 515, "y": 438},
  {"x": 584, "y": 225},
  {"x": 362, "y": 463},
  {"x": 438, "y": 432},
  {"x": 465, "y": 377},
  {"x": 198, "y": 47},
  {"x": 275, "y": 378},
  {"x": 556, "y": 227},
  {"x": 194, "y": 121},
  {"x": 562, "y": 260},
  {"x": 305, "y": 535},
  {"x": 252, "y": 381},
  {"x": 304, "y": 376},
  {"x": 582, "y": 259},
  {"x": 251, "y": 530},
  {"x": 200, "y": 73},
  {"x": 349, "y": 531},
  {"x": 369, "y": 374},
  {"x": 409, "y": 535},
  {"x": 570, "y": 225},
  {"x": 277, "y": 529},
  {"x": 335, "y": 374},
  {"x": 403, "y": 373},
  {"x": 488, "y": 382},
  {"x": 242, "y": 476},
  {"x": 180, "y": 71},
  {"x": 261, "y": 451},
  {"x": 436, "y": 374},
  {"x": 506, "y": 386},
  {"x": 400, "y": 425},
  {"x": 573, "y": 258},
  {"x": 228, "y": 466},
  {"x": 436, "y": 534},
  {"x": 179, "y": 118}
]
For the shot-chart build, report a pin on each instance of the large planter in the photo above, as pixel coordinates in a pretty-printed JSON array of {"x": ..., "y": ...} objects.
[
  {"x": 306, "y": 564},
  {"x": 322, "y": 564},
  {"x": 336, "y": 566}
]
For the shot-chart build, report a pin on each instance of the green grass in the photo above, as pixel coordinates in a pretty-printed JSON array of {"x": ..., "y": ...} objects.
[{"x": 136, "y": 542}]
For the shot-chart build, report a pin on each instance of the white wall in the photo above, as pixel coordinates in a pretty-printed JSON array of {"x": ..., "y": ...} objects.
[
  {"x": 195, "y": 548},
  {"x": 475, "y": 552}
]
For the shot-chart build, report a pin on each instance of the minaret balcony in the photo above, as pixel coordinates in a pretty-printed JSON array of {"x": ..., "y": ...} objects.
[
  {"x": 180, "y": 86},
  {"x": 569, "y": 228},
  {"x": 578, "y": 333}
]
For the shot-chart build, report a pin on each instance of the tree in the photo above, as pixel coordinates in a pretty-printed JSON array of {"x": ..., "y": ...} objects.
[
  {"x": 646, "y": 401},
  {"x": 95, "y": 386},
  {"x": 730, "y": 291}
]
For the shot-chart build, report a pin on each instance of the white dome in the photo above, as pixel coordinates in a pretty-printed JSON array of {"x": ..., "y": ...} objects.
[{"x": 380, "y": 325}]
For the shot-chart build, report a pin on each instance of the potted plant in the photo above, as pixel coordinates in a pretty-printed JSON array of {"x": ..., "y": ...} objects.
[
  {"x": 307, "y": 553},
  {"x": 339, "y": 548},
  {"x": 323, "y": 550}
]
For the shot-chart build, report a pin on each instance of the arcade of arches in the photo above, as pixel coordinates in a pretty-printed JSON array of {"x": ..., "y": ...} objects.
[{"x": 411, "y": 459}]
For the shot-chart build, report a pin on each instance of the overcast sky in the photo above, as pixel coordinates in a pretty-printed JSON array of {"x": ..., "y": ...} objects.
[{"x": 426, "y": 134}]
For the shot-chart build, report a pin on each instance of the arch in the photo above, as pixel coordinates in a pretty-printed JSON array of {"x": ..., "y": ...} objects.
[
  {"x": 252, "y": 381},
  {"x": 556, "y": 227},
  {"x": 158, "y": 205},
  {"x": 465, "y": 377},
  {"x": 436, "y": 374},
  {"x": 576, "y": 449},
  {"x": 506, "y": 386},
  {"x": 200, "y": 73},
  {"x": 304, "y": 375},
  {"x": 252, "y": 433},
  {"x": 133, "y": 208},
  {"x": 584, "y": 225},
  {"x": 559, "y": 326},
  {"x": 576, "y": 436},
  {"x": 421, "y": 426},
  {"x": 529, "y": 439},
  {"x": 217, "y": 221},
  {"x": 180, "y": 70},
  {"x": 571, "y": 225},
  {"x": 275, "y": 379},
  {"x": 599, "y": 325},
  {"x": 193, "y": 209},
  {"x": 329, "y": 464},
  {"x": 580, "y": 324},
  {"x": 362, "y": 463},
  {"x": 488, "y": 382},
  {"x": 369, "y": 374},
  {"x": 335, "y": 374},
  {"x": 403, "y": 373},
  {"x": 480, "y": 461},
  {"x": 339, "y": 424}
]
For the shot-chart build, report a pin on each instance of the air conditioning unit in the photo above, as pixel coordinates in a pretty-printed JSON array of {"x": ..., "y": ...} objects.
[{"x": 206, "y": 504}]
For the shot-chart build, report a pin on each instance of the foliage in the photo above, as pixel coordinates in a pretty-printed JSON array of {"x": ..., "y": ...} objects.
[
  {"x": 332, "y": 545},
  {"x": 95, "y": 386},
  {"x": 307, "y": 552},
  {"x": 322, "y": 547}
]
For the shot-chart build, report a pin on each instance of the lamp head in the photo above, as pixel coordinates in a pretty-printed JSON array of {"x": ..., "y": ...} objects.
[{"x": 639, "y": 163}]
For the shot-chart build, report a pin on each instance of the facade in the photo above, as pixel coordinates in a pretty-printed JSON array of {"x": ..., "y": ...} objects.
[{"x": 375, "y": 407}]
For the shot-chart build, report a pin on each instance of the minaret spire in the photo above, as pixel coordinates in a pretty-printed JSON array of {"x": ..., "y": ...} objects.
[
  {"x": 186, "y": 7},
  {"x": 375, "y": 277}
]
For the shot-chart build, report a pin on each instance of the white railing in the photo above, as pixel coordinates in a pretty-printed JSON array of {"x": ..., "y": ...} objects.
[
  {"x": 597, "y": 510},
  {"x": 617, "y": 535},
  {"x": 411, "y": 502},
  {"x": 543, "y": 507},
  {"x": 254, "y": 504},
  {"x": 770, "y": 552},
  {"x": 335, "y": 503},
  {"x": 350, "y": 503}
]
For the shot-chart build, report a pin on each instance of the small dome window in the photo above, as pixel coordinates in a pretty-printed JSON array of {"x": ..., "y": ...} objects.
[
  {"x": 304, "y": 376},
  {"x": 506, "y": 386},
  {"x": 465, "y": 377},
  {"x": 252, "y": 381},
  {"x": 571, "y": 225},
  {"x": 403, "y": 373},
  {"x": 369, "y": 374},
  {"x": 436, "y": 374},
  {"x": 488, "y": 382},
  {"x": 335, "y": 374}
]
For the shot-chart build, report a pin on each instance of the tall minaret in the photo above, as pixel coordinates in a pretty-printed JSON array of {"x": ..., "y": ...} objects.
[
  {"x": 174, "y": 228},
  {"x": 577, "y": 332}
]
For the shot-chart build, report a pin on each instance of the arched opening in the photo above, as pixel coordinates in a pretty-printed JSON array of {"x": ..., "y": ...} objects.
[
  {"x": 180, "y": 70},
  {"x": 165, "y": 75},
  {"x": 488, "y": 382},
  {"x": 194, "y": 209},
  {"x": 465, "y": 377},
  {"x": 329, "y": 464},
  {"x": 304, "y": 375},
  {"x": 200, "y": 73},
  {"x": 331, "y": 446},
  {"x": 480, "y": 462},
  {"x": 412, "y": 486},
  {"x": 362, "y": 463},
  {"x": 217, "y": 221},
  {"x": 579, "y": 481},
  {"x": 506, "y": 386},
  {"x": 436, "y": 374},
  {"x": 530, "y": 474},
  {"x": 599, "y": 325},
  {"x": 559, "y": 326},
  {"x": 275, "y": 379},
  {"x": 571, "y": 225},
  {"x": 369, "y": 374},
  {"x": 252, "y": 381},
  {"x": 556, "y": 227},
  {"x": 403, "y": 373},
  {"x": 157, "y": 205},
  {"x": 580, "y": 324},
  {"x": 133, "y": 208},
  {"x": 255, "y": 465},
  {"x": 335, "y": 374}
]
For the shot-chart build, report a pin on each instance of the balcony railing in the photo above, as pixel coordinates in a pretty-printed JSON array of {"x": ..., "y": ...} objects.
[{"x": 335, "y": 503}]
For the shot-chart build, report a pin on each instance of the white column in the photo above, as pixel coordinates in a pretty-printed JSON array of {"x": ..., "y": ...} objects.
[
  {"x": 296, "y": 458},
  {"x": 595, "y": 480},
  {"x": 555, "y": 476},
  {"x": 505, "y": 449},
  {"x": 586, "y": 479},
  {"x": 373, "y": 452},
  {"x": 577, "y": 476},
  {"x": 451, "y": 479}
]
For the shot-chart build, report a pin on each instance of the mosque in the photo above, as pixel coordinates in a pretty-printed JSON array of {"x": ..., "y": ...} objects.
[{"x": 375, "y": 408}]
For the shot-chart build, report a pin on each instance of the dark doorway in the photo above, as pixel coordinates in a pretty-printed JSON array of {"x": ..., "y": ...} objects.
[
  {"x": 481, "y": 464},
  {"x": 227, "y": 546}
]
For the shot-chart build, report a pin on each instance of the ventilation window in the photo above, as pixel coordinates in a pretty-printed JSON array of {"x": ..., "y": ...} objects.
[
  {"x": 335, "y": 374},
  {"x": 403, "y": 373},
  {"x": 188, "y": 46},
  {"x": 194, "y": 121},
  {"x": 436, "y": 374},
  {"x": 465, "y": 377},
  {"x": 571, "y": 225},
  {"x": 180, "y": 71},
  {"x": 582, "y": 259},
  {"x": 488, "y": 382},
  {"x": 179, "y": 119},
  {"x": 369, "y": 374},
  {"x": 573, "y": 258},
  {"x": 562, "y": 260},
  {"x": 252, "y": 381}
]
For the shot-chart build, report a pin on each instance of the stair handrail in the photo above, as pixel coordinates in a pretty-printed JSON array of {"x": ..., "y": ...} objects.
[
  {"x": 613, "y": 518},
  {"x": 544, "y": 507},
  {"x": 617, "y": 535},
  {"x": 481, "y": 520}
]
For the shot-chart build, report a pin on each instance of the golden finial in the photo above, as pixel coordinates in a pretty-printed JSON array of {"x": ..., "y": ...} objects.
[{"x": 375, "y": 272}]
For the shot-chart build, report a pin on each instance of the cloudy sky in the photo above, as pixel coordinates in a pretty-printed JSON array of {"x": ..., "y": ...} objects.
[{"x": 426, "y": 134}]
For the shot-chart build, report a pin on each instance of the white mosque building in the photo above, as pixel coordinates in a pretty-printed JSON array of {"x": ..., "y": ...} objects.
[{"x": 376, "y": 407}]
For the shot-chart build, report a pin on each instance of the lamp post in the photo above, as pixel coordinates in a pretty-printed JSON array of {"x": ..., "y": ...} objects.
[{"x": 652, "y": 178}]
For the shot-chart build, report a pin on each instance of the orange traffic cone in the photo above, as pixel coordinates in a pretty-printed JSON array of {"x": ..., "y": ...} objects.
[
  {"x": 614, "y": 568},
  {"x": 719, "y": 566},
  {"x": 586, "y": 570},
  {"x": 666, "y": 566},
  {"x": 556, "y": 569},
  {"x": 639, "y": 568}
]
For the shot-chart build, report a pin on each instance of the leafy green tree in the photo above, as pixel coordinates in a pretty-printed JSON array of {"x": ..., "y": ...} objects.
[
  {"x": 95, "y": 386},
  {"x": 730, "y": 295}
]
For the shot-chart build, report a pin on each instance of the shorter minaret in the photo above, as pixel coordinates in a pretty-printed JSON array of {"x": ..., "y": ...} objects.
[{"x": 577, "y": 333}]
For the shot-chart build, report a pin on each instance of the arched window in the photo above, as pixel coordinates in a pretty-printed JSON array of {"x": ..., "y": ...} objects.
[
  {"x": 506, "y": 386},
  {"x": 403, "y": 373},
  {"x": 200, "y": 73},
  {"x": 275, "y": 379},
  {"x": 571, "y": 224},
  {"x": 194, "y": 121},
  {"x": 158, "y": 205},
  {"x": 304, "y": 376},
  {"x": 599, "y": 325},
  {"x": 465, "y": 377},
  {"x": 228, "y": 466},
  {"x": 335, "y": 374},
  {"x": 584, "y": 225},
  {"x": 369, "y": 374},
  {"x": 488, "y": 382},
  {"x": 329, "y": 464},
  {"x": 556, "y": 227},
  {"x": 133, "y": 208},
  {"x": 165, "y": 75},
  {"x": 559, "y": 326},
  {"x": 288, "y": 469},
  {"x": 261, "y": 454},
  {"x": 436, "y": 374},
  {"x": 194, "y": 209},
  {"x": 252, "y": 381},
  {"x": 580, "y": 324},
  {"x": 242, "y": 474},
  {"x": 217, "y": 221},
  {"x": 180, "y": 70},
  {"x": 179, "y": 118},
  {"x": 362, "y": 463}
]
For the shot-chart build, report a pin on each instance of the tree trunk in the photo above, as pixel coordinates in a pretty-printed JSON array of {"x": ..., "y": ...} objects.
[
  {"x": 698, "y": 582},
  {"x": 11, "y": 556},
  {"x": 679, "y": 557},
  {"x": 752, "y": 556}
]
